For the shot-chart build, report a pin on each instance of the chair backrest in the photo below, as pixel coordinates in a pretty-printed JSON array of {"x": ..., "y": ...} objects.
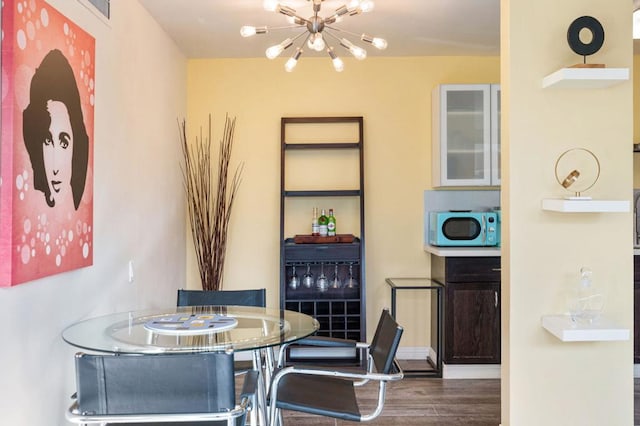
[
  {"x": 385, "y": 342},
  {"x": 155, "y": 384},
  {"x": 255, "y": 297}
]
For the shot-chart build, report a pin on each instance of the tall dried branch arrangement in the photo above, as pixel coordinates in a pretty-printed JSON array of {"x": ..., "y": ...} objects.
[{"x": 210, "y": 198}]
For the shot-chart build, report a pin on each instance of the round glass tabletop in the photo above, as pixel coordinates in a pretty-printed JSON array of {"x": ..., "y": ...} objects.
[{"x": 133, "y": 331}]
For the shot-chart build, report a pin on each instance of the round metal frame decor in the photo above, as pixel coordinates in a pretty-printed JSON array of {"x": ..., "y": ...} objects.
[
  {"x": 573, "y": 35},
  {"x": 577, "y": 170}
]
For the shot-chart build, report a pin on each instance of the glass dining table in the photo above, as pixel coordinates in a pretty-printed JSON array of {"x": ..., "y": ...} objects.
[{"x": 189, "y": 329}]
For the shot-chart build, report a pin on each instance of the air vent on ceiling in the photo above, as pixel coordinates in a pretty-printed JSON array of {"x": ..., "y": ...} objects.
[{"x": 102, "y": 6}]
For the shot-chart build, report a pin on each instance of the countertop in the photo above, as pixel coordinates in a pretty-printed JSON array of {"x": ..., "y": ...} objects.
[{"x": 465, "y": 251}]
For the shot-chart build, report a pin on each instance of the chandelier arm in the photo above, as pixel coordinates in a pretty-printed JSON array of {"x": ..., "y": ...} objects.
[
  {"x": 306, "y": 39},
  {"x": 359, "y": 35},
  {"x": 343, "y": 31},
  {"x": 300, "y": 35},
  {"x": 355, "y": 50},
  {"x": 285, "y": 27},
  {"x": 377, "y": 42},
  {"x": 331, "y": 34}
]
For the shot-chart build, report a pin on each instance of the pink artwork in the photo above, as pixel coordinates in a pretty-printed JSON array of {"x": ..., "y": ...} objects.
[{"x": 46, "y": 145}]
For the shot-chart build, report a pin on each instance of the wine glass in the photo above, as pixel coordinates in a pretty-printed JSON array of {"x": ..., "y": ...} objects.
[
  {"x": 294, "y": 282},
  {"x": 322, "y": 284},
  {"x": 335, "y": 282},
  {"x": 351, "y": 282},
  {"x": 307, "y": 278}
]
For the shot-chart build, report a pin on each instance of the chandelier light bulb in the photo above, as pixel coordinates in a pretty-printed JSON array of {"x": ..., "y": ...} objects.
[
  {"x": 358, "y": 52},
  {"x": 366, "y": 6},
  {"x": 316, "y": 42},
  {"x": 338, "y": 65},
  {"x": 377, "y": 42},
  {"x": 290, "y": 64},
  {"x": 247, "y": 31},
  {"x": 275, "y": 50},
  {"x": 270, "y": 5},
  {"x": 293, "y": 61}
]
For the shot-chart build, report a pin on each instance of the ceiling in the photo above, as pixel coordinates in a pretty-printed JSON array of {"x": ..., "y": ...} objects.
[{"x": 211, "y": 28}]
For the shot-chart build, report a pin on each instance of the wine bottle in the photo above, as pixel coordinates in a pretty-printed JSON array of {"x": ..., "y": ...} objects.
[
  {"x": 331, "y": 224},
  {"x": 322, "y": 223},
  {"x": 315, "y": 228}
]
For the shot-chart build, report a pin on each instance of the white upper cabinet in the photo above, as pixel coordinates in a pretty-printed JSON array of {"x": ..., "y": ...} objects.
[{"x": 466, "y": 135}]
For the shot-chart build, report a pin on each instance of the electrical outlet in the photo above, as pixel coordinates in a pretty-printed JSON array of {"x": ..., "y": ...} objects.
[{"x": 131, "y": 271}]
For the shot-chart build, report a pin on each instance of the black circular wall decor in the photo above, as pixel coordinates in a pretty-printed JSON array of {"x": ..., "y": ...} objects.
[{"x": 573, "y": 35}]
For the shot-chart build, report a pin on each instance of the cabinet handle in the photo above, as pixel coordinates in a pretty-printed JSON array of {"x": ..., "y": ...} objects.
[
  {"x": 496, "y": 269},
  {"x": 495, "y": 294}
]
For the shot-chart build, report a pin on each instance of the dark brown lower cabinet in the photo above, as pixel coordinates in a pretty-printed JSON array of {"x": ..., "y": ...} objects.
[
  {"x": 472, "y": 323},
  {"x": 471, "y": 308}
]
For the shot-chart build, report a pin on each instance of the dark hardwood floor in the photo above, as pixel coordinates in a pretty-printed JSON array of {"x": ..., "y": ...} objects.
[
  {"x": 424, "y": 401},
  {"x": 429, "y": 401}
]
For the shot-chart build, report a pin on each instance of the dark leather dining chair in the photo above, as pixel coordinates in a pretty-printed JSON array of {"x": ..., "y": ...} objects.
[
  {"x": 253, "y": 297},
  {"x": 163, "y": 389},
  {"x": 331, "y": 392}
]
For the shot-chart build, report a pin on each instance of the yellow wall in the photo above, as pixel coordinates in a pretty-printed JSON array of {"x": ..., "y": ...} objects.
[
  {"x": 394, "y": 97},
  {"x": 546, "y": 381}
]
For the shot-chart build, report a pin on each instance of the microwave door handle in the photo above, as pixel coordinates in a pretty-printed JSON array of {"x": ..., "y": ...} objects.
[{"x": 484, "y": 230}]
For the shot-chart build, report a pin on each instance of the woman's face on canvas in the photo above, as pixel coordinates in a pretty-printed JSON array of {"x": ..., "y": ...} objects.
[{"x": 57, "y": 151}]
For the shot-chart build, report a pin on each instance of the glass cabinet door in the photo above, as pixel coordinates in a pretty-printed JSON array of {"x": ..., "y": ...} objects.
[
  {"x": 466, "y": 126},
  {"x": 496, "y": 107},
  {"x": 466, "y": 132}
]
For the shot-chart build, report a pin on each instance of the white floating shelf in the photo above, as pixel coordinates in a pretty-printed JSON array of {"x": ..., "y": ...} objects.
[
  {"x": 602, "y": 330},
  {"x": 585, "y": 78},
  {"x": 585, "y": 206}
]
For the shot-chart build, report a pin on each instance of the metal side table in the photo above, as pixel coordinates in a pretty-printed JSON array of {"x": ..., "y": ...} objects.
[{"x": 437, "y": 314}]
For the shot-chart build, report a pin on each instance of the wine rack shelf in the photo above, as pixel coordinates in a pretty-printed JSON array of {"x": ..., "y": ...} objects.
[{"x": 340, "y": 311}]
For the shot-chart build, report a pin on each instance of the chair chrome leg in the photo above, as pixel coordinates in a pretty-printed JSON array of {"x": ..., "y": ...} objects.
[{"x": 280, "y": 420}]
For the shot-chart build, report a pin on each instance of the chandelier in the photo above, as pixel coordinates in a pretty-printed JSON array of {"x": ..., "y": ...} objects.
[{"x": 319, "y": 32}]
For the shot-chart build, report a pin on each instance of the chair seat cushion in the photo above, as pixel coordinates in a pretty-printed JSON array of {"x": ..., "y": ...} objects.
[{"x": 321, "y": 395}]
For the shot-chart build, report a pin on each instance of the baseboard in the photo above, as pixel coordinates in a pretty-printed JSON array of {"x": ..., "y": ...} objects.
[
  {"x": 471, "y": 371},
  {"x": 452, "y": 371},
  {"x": 417, "y": 352}
]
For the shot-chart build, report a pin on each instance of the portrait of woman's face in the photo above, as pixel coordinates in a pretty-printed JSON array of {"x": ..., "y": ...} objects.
[
  {"x": 57, "y": 151},
  {"x": 55, "y": 134}
]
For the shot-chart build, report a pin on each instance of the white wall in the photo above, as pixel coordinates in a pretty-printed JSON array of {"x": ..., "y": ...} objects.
[{"x": 138, "y": 214}]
